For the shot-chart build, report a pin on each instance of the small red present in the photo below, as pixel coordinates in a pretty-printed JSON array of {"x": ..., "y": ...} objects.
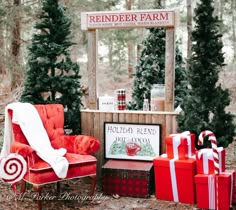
[
  {"x": 174, "y": 179},
  {"x": 214, "y": 191},
  {"x": 180, "y": 146},
  {"x": 128, "y": 178},
  {"x": 234, "y": 189},
  {"x": 205, "y": 161}
]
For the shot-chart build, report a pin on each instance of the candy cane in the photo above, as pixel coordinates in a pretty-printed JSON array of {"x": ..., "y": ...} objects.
[
  {"x": 12, "y": 168},
  {"x": 212, "y": 138}
]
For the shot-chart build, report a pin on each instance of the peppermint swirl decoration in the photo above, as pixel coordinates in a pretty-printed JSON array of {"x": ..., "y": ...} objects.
[{"x": 12, "y": 168}]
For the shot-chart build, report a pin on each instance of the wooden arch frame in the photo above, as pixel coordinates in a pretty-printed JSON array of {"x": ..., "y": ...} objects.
[{"x": 91, "y": 21}]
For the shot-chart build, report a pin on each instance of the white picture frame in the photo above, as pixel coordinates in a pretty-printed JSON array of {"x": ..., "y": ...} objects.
[{"x": 131, "y": 141}]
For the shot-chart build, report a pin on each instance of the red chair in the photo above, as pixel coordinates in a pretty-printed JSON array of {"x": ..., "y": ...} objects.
[{"x": 79, "y": 151}]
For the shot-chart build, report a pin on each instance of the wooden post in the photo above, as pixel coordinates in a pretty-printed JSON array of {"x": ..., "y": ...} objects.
[
  {"x": 170, "y": 69},
  {"x": 92, "y": 68}
]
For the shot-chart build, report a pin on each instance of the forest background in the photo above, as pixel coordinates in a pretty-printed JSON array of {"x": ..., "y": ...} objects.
[{"x": 118, "y": 49}]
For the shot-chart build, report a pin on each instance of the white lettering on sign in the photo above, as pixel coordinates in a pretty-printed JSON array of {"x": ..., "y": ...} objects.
[{"x": 138, "y": 18}]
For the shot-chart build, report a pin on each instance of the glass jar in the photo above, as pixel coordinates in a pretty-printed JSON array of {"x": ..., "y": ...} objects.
[
  {"x": 145, "y": 105},
  {"x": 158, "y": 97}
]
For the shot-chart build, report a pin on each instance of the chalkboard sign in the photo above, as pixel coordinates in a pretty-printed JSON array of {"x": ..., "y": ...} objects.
[{"x": 132, "y": 141}]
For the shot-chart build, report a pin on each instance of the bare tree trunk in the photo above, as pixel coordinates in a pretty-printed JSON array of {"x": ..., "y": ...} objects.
[
  {"x": 15, "y": 43},
  {"x": 163, "y": 3},
  {"x": 130, "y": 44},
  {"x": 189, "y": 29},
  {"x": 139, "y": 51},
  {"x": 217, "y": 7},
  {"x": 221, "y": 9},
  {"x": 2, "y": 70},
  {"x": 221, "y": 16},
  {"x": 131, "y": 59},
  {"x": 16, "y": 33},
  {"x": 218, "y": 11},
  {"x": 141, "y": 32},
  {"x": 233, "y": 7},
  {"x": 110, "y": 50}
]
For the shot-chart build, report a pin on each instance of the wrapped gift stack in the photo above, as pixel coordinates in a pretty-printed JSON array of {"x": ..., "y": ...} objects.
[
  {"x": 175, "y": 170},
  {"x": 234, "y": 191},
  {"x": 214, "y": 184}
]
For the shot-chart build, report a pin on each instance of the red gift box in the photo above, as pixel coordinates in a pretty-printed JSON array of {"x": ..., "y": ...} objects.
[
  {"x": 174, "y": 179},
  {"x": 180, "y": 146},
  {"x": 205, "y": 161},
  {"x": 128, "y": 178},
  {"x": 214, "y": 191},
  {"x": 234, "y": 189}
]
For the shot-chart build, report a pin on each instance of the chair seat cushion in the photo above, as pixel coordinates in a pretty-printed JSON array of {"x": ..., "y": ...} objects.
[
  {"x": 73, "y": 159},
  {"x": 79, "y": 166}
]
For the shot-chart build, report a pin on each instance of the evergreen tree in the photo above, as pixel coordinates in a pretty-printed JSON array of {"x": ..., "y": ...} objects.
[
  {"x": 204, "y": 107},
  {"x": 151, "y": 69},
  {"x": 52, "y": 77}
]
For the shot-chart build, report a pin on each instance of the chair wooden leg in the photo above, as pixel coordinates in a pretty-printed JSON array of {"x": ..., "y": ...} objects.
[
  {"x": 38, "y": 189},
  {"x": 23, "y": 186},
  {"x": 58, "y": 187},
  {"x": 93, "y": 184}
]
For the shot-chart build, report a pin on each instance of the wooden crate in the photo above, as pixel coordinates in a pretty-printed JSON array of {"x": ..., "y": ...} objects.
[{"x": 128, "y": 178}]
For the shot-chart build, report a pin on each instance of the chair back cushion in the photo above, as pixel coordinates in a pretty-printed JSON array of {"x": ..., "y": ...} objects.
[
  {"x": 17, "y": 132},
  {"x": 52, "y": 116}
]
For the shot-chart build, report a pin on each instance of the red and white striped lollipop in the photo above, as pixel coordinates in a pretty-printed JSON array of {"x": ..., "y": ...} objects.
[
  {"x": 12, "y": 168},
  {"x": 212, "y": 138}
]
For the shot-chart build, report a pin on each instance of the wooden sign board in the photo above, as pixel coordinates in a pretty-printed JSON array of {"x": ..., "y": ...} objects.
[
  {"x": 130, "y": 141},
  {"x": 127, "y": 19}
]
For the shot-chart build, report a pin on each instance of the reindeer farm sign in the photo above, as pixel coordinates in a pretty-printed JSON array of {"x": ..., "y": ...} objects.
[
  {"x": 91, "y": 21},
  {"x": 128, "y": 19}
]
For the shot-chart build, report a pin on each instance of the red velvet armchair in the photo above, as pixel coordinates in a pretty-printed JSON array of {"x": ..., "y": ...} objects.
[{"x": 79, "y": 151}]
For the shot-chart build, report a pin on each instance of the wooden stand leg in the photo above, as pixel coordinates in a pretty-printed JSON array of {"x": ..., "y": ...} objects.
[
  {"x": 93, "y": 184},
  {"x": 38, "y": 189}
]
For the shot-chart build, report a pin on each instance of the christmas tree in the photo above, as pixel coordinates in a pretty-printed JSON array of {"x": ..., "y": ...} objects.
[
  {"x": 151, "y": 69},
  {"x": 52, "y": 77},
  {"x": 204, "y": 106}
]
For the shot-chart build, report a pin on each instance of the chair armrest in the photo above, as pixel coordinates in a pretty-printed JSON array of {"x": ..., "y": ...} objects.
[
  {"x": 81, "y": 144},
  {"x": 21, "y": 149}
]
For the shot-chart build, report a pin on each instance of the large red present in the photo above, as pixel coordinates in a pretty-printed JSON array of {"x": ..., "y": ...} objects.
[
  {"x": 205, "y": 161},
  {"x": 214, "y": 191},
  {"x": 174, "y": 179},
  {"x": 180, "y": 146},
  {"x": 128, "y": 178}
]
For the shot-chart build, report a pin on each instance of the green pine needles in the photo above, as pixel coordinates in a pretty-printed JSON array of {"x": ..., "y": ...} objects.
[
  {"x": 52, "y": 77},
  {"x": 204, "y": 106},
  {"x": 151, "y": 69}
]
